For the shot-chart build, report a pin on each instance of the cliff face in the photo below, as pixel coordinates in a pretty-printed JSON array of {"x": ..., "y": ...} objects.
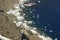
[{"x": 7, "y": 28}]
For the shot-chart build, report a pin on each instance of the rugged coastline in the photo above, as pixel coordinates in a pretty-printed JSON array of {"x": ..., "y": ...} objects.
[{"x": 12, "y": 26}]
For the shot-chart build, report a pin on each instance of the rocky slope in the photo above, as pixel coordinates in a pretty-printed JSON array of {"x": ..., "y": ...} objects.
[{"x": 7, "y": 28}]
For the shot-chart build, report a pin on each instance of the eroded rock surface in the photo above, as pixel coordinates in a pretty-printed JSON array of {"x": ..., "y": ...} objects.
[{"x": 7, "y": 28}]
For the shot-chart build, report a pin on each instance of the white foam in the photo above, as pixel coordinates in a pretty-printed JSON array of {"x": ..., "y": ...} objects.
[
  {"x": 34, "y": 31},
  {"x": 38, "y": 1},
  {"x": 51, "y": 31},
  {"x": 45, "y": 26},
  {"x": 30, "y": 4},
  {"x": 20, "y": 18},
  {"x": 16, "y": 6},
  {"x": 34, "y": 28},
  {"x": 44, "y": 38},
  {"x": 18, "y": 24},
  {"x": 29, "y": 22},
  {"x": 14, "y": 21},
  {"x": 56, "y": 39},
  {"x": 25, "y": 25},
  {"x": 25, "y": 21},
  {"x": 4, "y": 38}
]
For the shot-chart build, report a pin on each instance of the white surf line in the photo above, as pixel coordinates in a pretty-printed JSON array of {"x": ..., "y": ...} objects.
[
  {"x": 21, "y": 22},
  {"x": 4, "y": 38}
]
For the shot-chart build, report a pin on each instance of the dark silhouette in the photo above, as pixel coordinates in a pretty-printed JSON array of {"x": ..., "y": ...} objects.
[
  {"x": 0, "y": 39},
  {"x": 1, "y": 10},
  {"x": 24, "y": 37}
]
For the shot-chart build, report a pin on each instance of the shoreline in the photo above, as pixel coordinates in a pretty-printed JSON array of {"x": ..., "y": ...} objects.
[
  {"x": 25, "y": 23},
  {"x": 20, "y": 20}
]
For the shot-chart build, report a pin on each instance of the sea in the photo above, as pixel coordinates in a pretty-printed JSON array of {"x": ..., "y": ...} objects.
[{"x": 46, "y": 17}]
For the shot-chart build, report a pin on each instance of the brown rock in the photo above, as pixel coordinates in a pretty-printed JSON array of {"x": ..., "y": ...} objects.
[{"x": 7, "y": 28}]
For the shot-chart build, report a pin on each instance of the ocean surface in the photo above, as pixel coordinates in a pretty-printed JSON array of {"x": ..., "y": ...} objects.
[{"x": 46, "y": 17}]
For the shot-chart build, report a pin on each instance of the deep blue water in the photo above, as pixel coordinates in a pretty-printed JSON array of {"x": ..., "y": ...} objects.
[{"x": 49, "y": 11}]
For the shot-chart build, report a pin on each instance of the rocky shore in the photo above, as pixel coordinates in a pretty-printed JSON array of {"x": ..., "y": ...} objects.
[{"x": 13, "y": 24}]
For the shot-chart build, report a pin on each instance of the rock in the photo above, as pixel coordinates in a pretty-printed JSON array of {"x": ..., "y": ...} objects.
[{"x": 7, "y": 27}]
